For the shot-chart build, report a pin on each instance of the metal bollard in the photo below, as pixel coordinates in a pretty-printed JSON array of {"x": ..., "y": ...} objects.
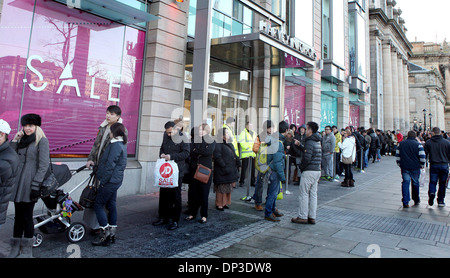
[{"x": 288, "y": 168}]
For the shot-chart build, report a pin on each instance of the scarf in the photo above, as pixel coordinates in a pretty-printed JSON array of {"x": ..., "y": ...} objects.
[{"x": 26, "y": 140}]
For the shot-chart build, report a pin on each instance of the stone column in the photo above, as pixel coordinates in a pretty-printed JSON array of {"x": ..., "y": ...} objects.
[
  {"x": 401, "y": 96},
  {"x": 200, "y": 73},
  {"x": 387, "y": 88},
  {"x": 163, "y": 81},
  {"x": 395, "y": 94},
  {"x": 406, "y": 89},
  {"x": 447, "y": 91}
]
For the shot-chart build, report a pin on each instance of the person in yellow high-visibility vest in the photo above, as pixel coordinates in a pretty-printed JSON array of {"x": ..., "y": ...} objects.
[
  {"x": 230, "y": 123},
  {"x": 246, "y": 140}
]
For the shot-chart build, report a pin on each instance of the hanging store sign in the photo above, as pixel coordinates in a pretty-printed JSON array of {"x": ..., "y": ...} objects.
[{"x": 294, "y": 43}]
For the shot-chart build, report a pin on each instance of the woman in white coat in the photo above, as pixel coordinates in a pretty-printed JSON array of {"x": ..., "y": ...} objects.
[{"x": 348, "y": 150}]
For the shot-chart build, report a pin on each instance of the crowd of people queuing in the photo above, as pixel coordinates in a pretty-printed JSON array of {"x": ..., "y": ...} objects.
[{"x": 231, "y": 159}]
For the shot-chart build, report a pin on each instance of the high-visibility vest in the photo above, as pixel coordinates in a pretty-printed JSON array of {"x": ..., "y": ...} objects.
[
  {"x": 233, "y": 137},
  {"x": 246, "y": 140}
]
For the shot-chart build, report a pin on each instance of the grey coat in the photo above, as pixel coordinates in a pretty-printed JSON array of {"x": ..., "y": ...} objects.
[
  {"x": 328, "y": 144},
  {"x": 33, "y": 165},
  {"x": 9, "y": 162}
]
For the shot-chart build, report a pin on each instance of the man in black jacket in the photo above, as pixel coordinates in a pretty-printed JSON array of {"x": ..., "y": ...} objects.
[
  {"x": 311, "y": 170},
  {"x": 437, "y": 150},
  {"x": 9, "y": 162},
  {"x": 174, "y": 147}
]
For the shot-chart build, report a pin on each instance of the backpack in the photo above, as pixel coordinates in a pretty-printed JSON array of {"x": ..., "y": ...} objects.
[{"x": 261, "y": 159}]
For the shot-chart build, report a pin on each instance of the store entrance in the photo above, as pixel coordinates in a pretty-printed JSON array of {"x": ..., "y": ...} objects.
[{"x": 222, "y": 104}]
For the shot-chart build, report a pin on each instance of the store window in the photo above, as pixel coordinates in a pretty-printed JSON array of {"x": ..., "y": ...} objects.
[
  {"x": 357, "y": 39},
  {"x": 68, "y": 67},
  {"x": 333, "y": 31},
  {"x": 302, "y": 20}
]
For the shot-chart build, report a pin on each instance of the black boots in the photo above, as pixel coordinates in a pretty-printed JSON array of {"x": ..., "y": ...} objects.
[
  {"x": 106, "y": 236},
  {"x": 173, "y": 225},
  {"x": 348, "y": 183}
]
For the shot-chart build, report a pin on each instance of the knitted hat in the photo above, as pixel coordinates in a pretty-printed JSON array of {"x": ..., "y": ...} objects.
[
  {"x": 30, "y": 119},
  {"x": 4, "y": 127}
]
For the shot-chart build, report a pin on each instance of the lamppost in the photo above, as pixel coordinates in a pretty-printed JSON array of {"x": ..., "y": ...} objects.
[
  {"x": 431, "y": 116},
  {"x": 425, "y": 118}
]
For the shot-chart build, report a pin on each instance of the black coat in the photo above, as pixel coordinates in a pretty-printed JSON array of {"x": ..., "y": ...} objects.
[
  {"x": 9, "y": 161},
  {"x": 226, "y": 164},
  {"x": 179, "y": 151},
  {"x": 312, "y": 157},
  {"x": 297, "y": 151},
  {"x": 201, "y": 153}
]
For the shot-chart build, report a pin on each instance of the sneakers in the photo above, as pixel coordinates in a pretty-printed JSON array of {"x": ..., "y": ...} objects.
[{"x": 431, "y": 200}]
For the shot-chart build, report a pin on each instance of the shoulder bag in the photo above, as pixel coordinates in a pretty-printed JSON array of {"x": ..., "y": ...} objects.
[{"x": 348, "y": 160}]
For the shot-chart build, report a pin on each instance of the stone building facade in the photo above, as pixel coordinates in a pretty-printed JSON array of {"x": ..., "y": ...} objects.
[{"x": 390, "y": 51}]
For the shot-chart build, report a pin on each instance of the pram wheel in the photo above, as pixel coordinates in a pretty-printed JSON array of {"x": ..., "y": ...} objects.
[
  {"x": 75, "y": 232},
  {"x": 38, "y": 239}
]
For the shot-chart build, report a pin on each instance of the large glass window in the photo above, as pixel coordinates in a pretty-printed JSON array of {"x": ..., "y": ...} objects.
[
  {"x": 333, "y": 31},
  {"x": 357, "y": 34},
  {"x": 229, "y": 18},
  {"x": 338, "y": 32},
  {"x": 326, "y": 29},
  {"x": 68, "y": 67},
  {"x": 303, "y": 18}
]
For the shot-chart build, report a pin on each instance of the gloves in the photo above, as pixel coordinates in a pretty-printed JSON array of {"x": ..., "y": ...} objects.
[{"x": 34, "y": 195}]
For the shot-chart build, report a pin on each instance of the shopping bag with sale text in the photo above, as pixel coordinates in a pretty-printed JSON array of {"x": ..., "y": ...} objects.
[{"x": 166, "y": 174}]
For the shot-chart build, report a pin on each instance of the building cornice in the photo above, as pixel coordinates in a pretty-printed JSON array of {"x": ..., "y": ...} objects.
[{"x": 381, "y": 16}]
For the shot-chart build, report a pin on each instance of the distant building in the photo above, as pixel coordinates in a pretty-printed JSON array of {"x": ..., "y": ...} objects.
[{"x": 430, "y": 80}]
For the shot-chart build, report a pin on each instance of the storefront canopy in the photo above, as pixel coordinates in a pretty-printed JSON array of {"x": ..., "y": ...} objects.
[
  {"x": 360, "y": 103},
  {"x": 254, "y": 51},
  {"x": 335, "y": 94},
  {"x": 113, "y": 10}
]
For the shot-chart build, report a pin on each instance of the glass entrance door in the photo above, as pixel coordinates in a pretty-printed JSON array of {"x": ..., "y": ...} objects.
[{"x": 222, "y": 104}]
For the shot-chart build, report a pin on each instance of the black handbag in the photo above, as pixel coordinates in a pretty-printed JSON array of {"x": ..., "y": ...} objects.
[
  {"x": 89, "y": 193},
  {"x": 56, "y": 176},
  {"x": 49, "y": 185}
]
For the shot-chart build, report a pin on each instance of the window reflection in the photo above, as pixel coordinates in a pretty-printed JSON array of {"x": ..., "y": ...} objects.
[{"x": 75, "y": 66}]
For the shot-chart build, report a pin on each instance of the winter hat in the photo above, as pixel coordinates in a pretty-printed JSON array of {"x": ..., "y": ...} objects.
[
  {"x": 30, "y": 119},
  {"x": 4, "y": 127}
]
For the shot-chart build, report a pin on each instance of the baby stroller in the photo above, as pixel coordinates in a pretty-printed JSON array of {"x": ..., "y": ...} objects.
[{"x": 60, "y": 208}]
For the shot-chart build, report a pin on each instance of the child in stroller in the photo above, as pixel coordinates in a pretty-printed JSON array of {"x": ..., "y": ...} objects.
[{"x": 60, "y": 208}]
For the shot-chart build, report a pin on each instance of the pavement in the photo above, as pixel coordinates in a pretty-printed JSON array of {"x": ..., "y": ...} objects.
[{"x": 367, "y": 221}]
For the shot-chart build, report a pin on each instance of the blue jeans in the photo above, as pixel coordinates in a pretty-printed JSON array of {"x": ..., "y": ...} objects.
[
  {"x": 272, "y": 193},
  {"x": 410, "y": 177},
  {"x": 106, "y": 198},
  {"x": 366, "y": 158},
  {"x": 438, "y": 173}
]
